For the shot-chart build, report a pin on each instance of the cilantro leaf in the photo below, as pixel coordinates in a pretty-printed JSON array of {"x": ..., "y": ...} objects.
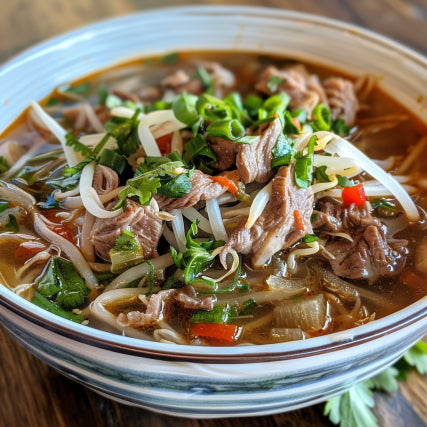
[
  {"x": 199, "y": 154},
  {"x": 274, "y": 82},
  {"x": 352, "y": 409},
  {"x": 126, "y": 242},
  {"x": 63, "y": 283},
  {"x": 386, "y": 380},
  {"x": 340, "y": 127},
  {"x": 417, "y": 357},
  {"x": 343, "y": 181},
  {"x": 198, "y": 255},
  {"x": 308, "y": 238},
  {"x": 321, "y": 175},
  {"x": 72, "y": 141},
  {"x": 12, "y": 225}
]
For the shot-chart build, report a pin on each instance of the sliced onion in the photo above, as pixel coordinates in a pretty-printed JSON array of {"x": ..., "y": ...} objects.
[
  {"x": 215, "y": 220},
  {"x": 192, "y": 214},
  {"x": 169, "y": 236},
  {"x": 124, "y": 112},
  {"x": 90, "y": 198},
  {"x": 307, "y": 313},
  {"x": 148, "y": 142},
  {"x": 287, "y": 334},
  {"x": 72, "y": 156},
  {"x": 138, "y": 271},
  {"x": 178, "y": 230},
  {"x": 259, "y": 203},
  {"x": 289, "y": 287},
  {"x": 167, "y": 128},
  {"x": 67, "y": 247},
  {"x": 346, "y": 149}
]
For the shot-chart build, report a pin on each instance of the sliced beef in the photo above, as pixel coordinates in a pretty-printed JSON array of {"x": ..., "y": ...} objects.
[
  {"x": 341, "y": 98},
  {"x": 304, "y": 88},
  {"x": 253, "y": 160},
  {"x": 152, "y": 315},
  {"x": 284, "y": 221},
  {"x": 370, "y": 254},
  {"x": 142, "y": 221},
  {"x": 225, "y": 151},
  {"x": 203, "y": 188},
  {"x": 105, "y": 179},
  {"x": 181, "y": 81},
  {"x": 187, "y": 298}
]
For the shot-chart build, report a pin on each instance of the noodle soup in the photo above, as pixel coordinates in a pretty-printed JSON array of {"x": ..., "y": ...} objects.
[{"x": 215, "y": 199}]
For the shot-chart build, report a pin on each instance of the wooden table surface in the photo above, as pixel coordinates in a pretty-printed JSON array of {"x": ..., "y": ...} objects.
[{"x": 33, "y": 394}]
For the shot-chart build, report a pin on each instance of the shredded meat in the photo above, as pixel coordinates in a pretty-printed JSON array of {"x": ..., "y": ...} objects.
[
  {"x": 125, "y": 95},
  {"x": 304, "y": 89},
  {"x": 370, "y": 254},
  {"x": 187, "y": 298},
  {"x": 341, "y": 98},
  {"x": 142, "y": 221},
  {"x": 253, "y": 160},
  {"x": 203, "y": 188},
  {"x": 152, "y": 314},
  {"x": 178, "y": 78},
  {"x": 105, "y": 179},
  {"x": 279, "y": 226}
]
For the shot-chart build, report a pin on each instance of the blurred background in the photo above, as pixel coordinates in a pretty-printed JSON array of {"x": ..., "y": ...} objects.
[{"x": 25, "y": 22}]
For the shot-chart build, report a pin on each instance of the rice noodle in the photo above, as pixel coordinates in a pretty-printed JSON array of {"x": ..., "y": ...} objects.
[
  {"x": 90, "y": 198},
  {"x": 14, "y": 194},
  {"x": 346, "y": 149},
  {"x": 233, "y": 268},
  {"x": 125, "y": 112},
  {"x": 236, "y": 212},
  {"x": 313, "y": 248},
  {"x": 259, "y": 203},
  {"x": 76, "y": 202},
  {"x": 387, "y": 163},
  {"x": 59, "y": 195},
  {"x": 215, "y": 220},
  {"x": 414, "y": 153},
  {"x": 166, "y": 128},
  {"x": 192, "y": 214},
  {"x": 148, "y": 142},
  {"x": 323, "y": 186},
  {"x": 169, "y": 236},
  {"x": 72, "y": 156},
  {"x": 138, "y": 271},
  {"x": 179, "y": 230},
  {"x": 86, "y": 245},
  {"x": 75, "y": 256}
]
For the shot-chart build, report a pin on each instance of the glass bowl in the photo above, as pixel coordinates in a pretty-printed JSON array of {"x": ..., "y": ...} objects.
[{"x": 204, "y": 382}]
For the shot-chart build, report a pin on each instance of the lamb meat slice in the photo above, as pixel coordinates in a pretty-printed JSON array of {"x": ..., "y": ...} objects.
[
  {"x": 142, "y": 221},
  {"x": 370, "y": 254},
  {"x": 342, "y": 99},
  {"x": 203, "y": 188},
  {"x": 253, "y": 160},
  {"x": 105, "y": 179},
  {"x": 225, "y": 151},
  {"x": 277, "y": 228},
  {"x": 304, "y": 88}
]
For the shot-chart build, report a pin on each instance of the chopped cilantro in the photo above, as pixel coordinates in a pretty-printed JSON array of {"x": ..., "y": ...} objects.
[
  {"x": 171, "y": 58},
  {"x": 308, "y": 238},
  {"x": 321, "y": 175},
  {"x": 282, "y": 151},
  {"x": 343, "y": 181},
  {"x": 63, "y": 284},
  {"x": 304, "y": 166},
  {"x": 340, "y": 127},
  {"x": 12, "y": 225},
  {"x": 274, "y": 82}
]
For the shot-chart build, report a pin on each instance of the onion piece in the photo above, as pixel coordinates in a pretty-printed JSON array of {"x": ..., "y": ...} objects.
[
  {"x": 178, "y": 229},
  {"x": 125, "y": 112},
  {"x": 148, "y": 142},
  {"x": 215, "y": 220},
  {"x": 289, "y": 287},
  {"x": 287, "y": 334},
  {"x": 192, "y": 214},
  {"x": 307, "y": 313},
  {"x": 90, "y": 198},
  {"x": 138, "y": 271},
  {"x": 346, "y": 149},
  {"x": 72, "y": 156},
  {"x": 259, "y": 203},
  {"x": 67, "y": 247}
]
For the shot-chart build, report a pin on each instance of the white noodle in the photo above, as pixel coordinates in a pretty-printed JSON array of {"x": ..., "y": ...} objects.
[
  {"x": 125, "y": 112},
  {"x": 233, "y": 268},
  {"x": 76, "y": 202},
  {"x": 67, "y": 247},
  {"x": 169, "y": 236},
  {"x": 314, "y": 247},
  {"x": 323, "y": 186},
  {"x": 148, "y": 142},
  {"x": 215, "y": 220},
  {"x": 72, "y": 156},
  {"x": 90, "y": 198},
  {"x": 138, "y": 271},
  {"x": 178, "y": 230},
  {"x": 192, "y": 214},
  {"x": 86, "y": 245},
  {"x": 166, "y": 128},
  {"x": 15, "y": 194},
  {"x": 413, "y": 155},
  {"x": 346, "y": 149},
  {"x": 237, "y": 212},
  {"x": 259, "y": 203}
]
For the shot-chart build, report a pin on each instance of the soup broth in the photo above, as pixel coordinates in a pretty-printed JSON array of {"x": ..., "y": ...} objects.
[{"x": 215, "y": 199}]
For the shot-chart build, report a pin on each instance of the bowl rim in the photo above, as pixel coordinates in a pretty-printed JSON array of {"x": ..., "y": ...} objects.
[{"x": 414, "y": 313}]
